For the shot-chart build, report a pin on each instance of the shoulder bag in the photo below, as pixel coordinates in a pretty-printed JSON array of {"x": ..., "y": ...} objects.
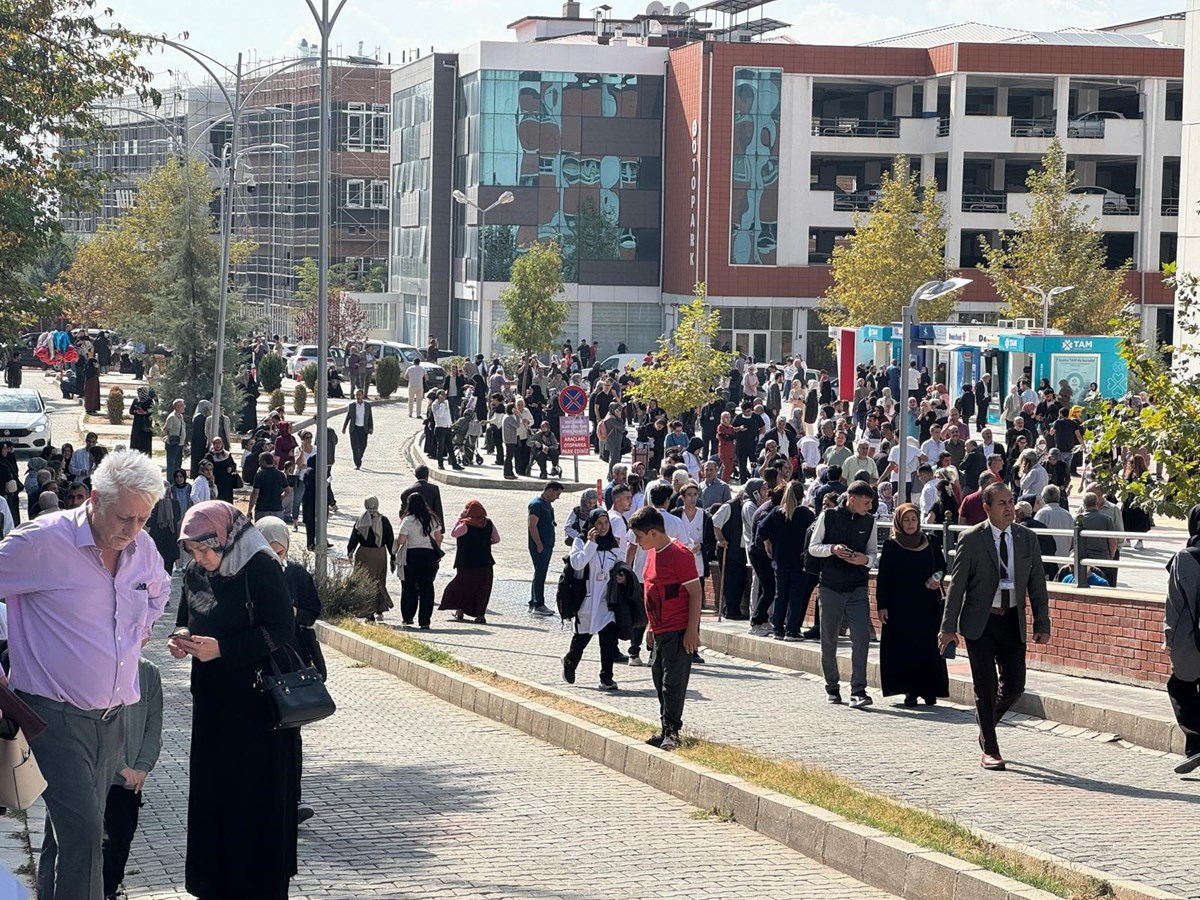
[
  {"x": 21, "y": 781},
  {"x": 292, "y": 698}
]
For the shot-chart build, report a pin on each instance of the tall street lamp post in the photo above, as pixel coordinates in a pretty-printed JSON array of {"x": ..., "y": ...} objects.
[
  {"x": 910, "y": 318},
  {"x": 460, "y": 197},
  {"x": 1047, "y": 296}
]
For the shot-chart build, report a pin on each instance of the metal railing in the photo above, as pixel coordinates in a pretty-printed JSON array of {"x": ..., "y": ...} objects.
[
  {"x": 992, "y": 203},
  {"x": 1127, "y": 206},
  {"x": 1032, "y": 128},
  {"x": 849, "y": 126},
  {"x": 1170, "y": 206},
  {"x": 943, "y": 126},
  {"x": 1079, "y": 564}
]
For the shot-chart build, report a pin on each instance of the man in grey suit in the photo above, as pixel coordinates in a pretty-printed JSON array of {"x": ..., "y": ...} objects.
[{"x": 997, "y": 566}]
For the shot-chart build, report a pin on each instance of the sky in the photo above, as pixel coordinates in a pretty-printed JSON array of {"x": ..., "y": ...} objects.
[{"x": 273, "y": 28}]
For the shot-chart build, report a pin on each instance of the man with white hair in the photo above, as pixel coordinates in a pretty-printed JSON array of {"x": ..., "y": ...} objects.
[{"x": 84, "y": 588}]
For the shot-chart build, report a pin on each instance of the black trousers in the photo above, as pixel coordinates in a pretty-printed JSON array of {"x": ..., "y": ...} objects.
[
  {"x": 120, "y": 825},
  {"x": 608, "y": 648},
  {"x": 1185, "y": 701},
  {"x": 744, "y": 455},
  {"x": 766, "y": 583},
  {"x": 671, "y": 669},
  {"x": 733, "y": 581},
  {"x": 441, "y": 436},
  {"x": 999, "y": 648},
  {"x": 508, "y": 457},
  {"x": 416, "y": 593},
  {"x": 358, "y": 444}
]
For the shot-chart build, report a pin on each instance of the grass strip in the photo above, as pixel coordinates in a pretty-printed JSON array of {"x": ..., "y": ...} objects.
[{"x": 807, "y": 783}]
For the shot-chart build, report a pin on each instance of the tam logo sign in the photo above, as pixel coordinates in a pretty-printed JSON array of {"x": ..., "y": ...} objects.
[{"x": 1076, "y": 344}]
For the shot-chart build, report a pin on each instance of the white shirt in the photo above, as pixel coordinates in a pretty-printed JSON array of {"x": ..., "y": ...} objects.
[
  {"x": 415, "y": 537},
  {"x": 932, "y": 450},
  {"x": 693, "y": 530},
  {"x": 1005, "y": 572},
  {"x": 360, "y": 414},
  {"x": 810, "y": 450},
  {"x": 441, "y": 414},
  {"x": 785, "y": 443},
  {"x": 201, "y": 490},
  {"x": 914, "y": 379},
  {"x": 416, "y": 376},
  {"x": 928, "y": 497},
  {"x": 911, "y": 462}
]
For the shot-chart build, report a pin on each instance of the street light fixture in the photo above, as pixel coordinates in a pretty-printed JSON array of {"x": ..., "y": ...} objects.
[
  {"x": 503, "y": 199},
  {"x": 909, "y": 320},
  {"x": 1047, "y": 296}
]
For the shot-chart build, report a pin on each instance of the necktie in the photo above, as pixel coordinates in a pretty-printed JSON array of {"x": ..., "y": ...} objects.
[{"x": 1005, "y": 595}]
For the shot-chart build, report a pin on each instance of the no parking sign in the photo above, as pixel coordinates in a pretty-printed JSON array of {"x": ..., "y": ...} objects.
[
  {"x": 573, "y": 400},
  {"x": 573, "y": 436}
]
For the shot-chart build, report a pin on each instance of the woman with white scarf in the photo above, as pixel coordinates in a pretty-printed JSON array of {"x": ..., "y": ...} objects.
[{"x": 371, "y": 545}]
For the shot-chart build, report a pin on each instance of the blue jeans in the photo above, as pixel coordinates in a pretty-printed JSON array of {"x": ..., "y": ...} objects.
[
  {"x": 792, "y": 592},
  {"x": 297, "y": 499},
  {"x": 541, "y": 565}
]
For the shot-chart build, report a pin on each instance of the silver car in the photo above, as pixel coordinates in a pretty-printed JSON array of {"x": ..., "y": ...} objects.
[{"x": 24, "y": 420}]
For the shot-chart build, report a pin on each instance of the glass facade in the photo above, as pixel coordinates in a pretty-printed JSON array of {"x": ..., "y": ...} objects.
[
  {"x": 754, "y": 180},
  {"x": 412, "y": 117},
  {"x": 764, "y": 333},
  {"x": 583, "y": 152}
]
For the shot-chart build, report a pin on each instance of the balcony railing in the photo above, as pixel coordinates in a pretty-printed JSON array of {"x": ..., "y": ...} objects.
[
  {"x": 848, "y": 126},
  {"x": 1170, "y": 206},
  {"x": 943, "y": 129},
  {"x": 1032, "y": 128},
  {"x": 985, "y": 203},
  {"x": 1120, "y": 206}
]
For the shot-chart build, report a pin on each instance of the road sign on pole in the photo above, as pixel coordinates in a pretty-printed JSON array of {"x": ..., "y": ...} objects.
[
  {"x": 573, "y": 400},
  {"x": 573, "y": 436}
]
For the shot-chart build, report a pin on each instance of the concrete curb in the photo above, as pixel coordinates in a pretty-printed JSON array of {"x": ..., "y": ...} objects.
[
  {"x": 1152, "y": 732},
  {"x": 416, "y": 457},
  {"x": 864, "y": 853}
]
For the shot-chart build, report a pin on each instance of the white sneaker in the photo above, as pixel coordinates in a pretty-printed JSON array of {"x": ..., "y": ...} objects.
[
  {"x": 859, "y": 701},
  {"x": 761, "y": 630},
  {"x": 635, "y": 659},
  {"x": 543, "y": 611}
]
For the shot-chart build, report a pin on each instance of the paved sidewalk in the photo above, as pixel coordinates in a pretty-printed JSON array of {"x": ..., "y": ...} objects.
[
  {"x": 1114, "y": 808},
  {"x": 419, "y": 799}
]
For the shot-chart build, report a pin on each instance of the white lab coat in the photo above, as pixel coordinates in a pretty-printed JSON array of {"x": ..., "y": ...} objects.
[{"x": 594, "y": 614}]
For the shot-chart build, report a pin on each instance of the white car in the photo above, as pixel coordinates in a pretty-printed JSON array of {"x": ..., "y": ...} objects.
[
  {"x": 307, "y": 353},
  {"x": 24, "y": 420},
  {"x": 407, "y": 354},
  {"x": 1091, "y": 124},
  {"x": 1112, "y": 202}
]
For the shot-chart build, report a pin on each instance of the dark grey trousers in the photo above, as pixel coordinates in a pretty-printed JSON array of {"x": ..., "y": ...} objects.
[
  {"x": 856, "y": 607},
  {"x": 78, "y": 754}
]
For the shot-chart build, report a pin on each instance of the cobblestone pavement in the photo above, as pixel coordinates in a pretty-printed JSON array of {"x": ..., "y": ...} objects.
[
  {"x": 1113, "y": 808},
  {"x": 419, "y": 799}
]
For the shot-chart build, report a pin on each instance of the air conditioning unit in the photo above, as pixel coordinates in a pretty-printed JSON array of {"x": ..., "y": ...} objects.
[
  {"x": 1026, "y": 324},
  {"x": 1004, "y": 323}
]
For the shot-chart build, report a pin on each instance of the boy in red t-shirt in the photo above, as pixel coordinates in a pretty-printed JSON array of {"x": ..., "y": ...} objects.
[{"x": 672, "y": 590}]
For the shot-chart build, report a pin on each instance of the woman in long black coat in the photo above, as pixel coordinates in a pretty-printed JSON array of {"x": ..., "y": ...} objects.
[
  {"x": 199, "y": 435},
  {"x": 243, "y": 791},
  {"x": 908, "y": 596},
  {"x": 141, "y": 431}
]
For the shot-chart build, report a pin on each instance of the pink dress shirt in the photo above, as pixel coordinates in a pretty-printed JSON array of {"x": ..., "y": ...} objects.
[{"x": 74, "y": 630}]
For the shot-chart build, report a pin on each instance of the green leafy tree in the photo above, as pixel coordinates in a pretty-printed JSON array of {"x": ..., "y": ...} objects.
[
  {"x": 894, "y": 249},
  {"x": 535, "y": 312},
  {"x": 690, "y": 367},
  {"x": 183, "y": 305},
  {"x": 346, "y": 316},
  {"x": 270, "y": 371},
  {"x": 387, "y": 376},
  {"x": 1057, "y": 243},
  {"x": 57, "y": 61}
]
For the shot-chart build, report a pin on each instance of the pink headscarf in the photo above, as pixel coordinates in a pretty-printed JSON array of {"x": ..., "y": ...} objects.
[{"x": 224, "y": 528}]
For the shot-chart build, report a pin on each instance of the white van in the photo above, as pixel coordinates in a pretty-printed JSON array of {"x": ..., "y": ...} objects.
[
  {"x": 619, "y": 361},
  {"x": 407, "y": 354}
]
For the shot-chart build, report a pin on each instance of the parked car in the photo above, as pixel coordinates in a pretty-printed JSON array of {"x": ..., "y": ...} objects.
[
  {"x": 407, "y": 354},
  {"x": 1091, "y": 124},
  {"x": 984, "y": 199},
  {"x": 866, "y": 196},
  {"x": 307, "y": 353},
  {"x": 619, "y": 361},
  {"x": 1112, "y": 204},
  {"x": 24, "y": 420}
]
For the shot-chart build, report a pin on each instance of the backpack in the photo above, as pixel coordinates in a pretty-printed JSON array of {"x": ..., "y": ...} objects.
[{"x": 572, "y": 588}]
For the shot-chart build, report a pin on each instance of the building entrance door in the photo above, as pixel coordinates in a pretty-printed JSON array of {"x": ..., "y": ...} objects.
[{"x": 752, "y": 343}]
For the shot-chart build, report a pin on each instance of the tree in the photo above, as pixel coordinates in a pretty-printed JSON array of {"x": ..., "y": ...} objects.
[
  {"x": 535, "y": 314},
  {"x": 689, "y": 368},
  {"x": 892, "y": 251},
  {"x": 58, "y": 61},
  {"x": 1056, "y": 244},
  {"x": 181, "y": 263},
  {"x": 107, "y": 280},
  {"x": 347, "y": 318}
]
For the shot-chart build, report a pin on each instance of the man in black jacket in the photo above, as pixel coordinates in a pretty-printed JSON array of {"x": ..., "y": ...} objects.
[
  {"x": 431, "y": 493},
  {"x": 710, "y": 418},
  {"x": 845, "y": 538},
  {"x": 361, "y": 424}
]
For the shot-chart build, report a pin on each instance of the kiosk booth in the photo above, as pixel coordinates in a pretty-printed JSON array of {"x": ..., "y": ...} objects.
[{"x": 1080, "y": 360}]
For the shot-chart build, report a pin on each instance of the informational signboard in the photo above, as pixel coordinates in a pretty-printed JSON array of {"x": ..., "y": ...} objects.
[
  {"x": 1079, "y": 370},
  {"x": 573, "y": 436},
  {"x": 573, "y": 400}
]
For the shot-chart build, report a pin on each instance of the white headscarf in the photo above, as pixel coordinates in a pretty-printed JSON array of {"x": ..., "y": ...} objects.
[{"x": 370, "y": 522}]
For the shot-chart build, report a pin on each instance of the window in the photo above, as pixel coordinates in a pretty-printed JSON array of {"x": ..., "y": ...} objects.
[
  {"x": 379, "y": 194},
  {"x": 356, "y": 126},
  {"x": 355, "y": 192}
]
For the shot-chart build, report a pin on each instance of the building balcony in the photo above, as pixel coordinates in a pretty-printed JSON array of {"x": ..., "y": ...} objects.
[
  {"x": 1170, "y": 206},
  {"x": 850, "y": 126},
  {"x": 1037, "y": 128}
]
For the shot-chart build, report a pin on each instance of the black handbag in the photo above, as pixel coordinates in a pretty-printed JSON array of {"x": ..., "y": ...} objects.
[{"x": 292, "y": 698}]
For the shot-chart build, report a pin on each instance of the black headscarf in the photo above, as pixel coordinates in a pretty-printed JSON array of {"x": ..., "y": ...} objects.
[
  {"x": 1194, "y": 526},
  {"x": 603, "y": 542}
]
